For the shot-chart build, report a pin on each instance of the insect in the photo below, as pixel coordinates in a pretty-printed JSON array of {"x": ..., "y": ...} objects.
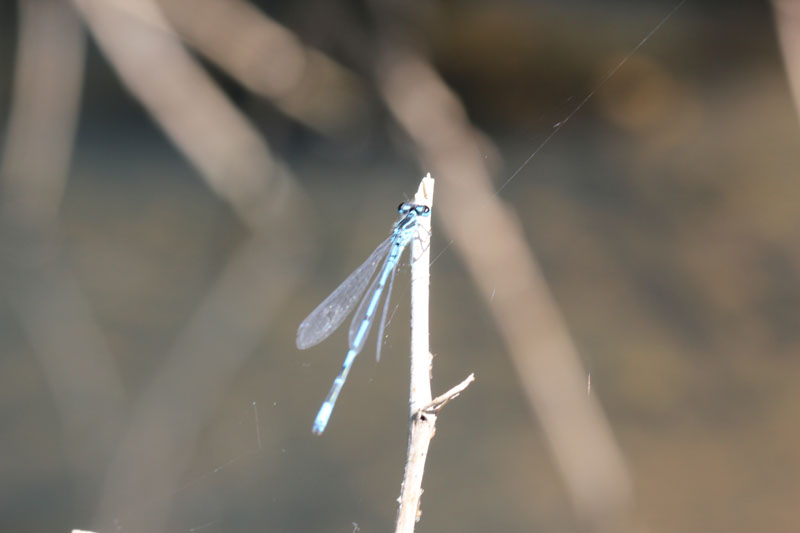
[{"x": 367, "y": 288}]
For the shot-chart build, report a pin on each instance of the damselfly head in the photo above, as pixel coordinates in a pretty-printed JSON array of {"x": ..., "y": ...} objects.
[{"x": 407, "y": 207}]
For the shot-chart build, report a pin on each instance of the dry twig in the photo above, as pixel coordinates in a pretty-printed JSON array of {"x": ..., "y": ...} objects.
[{"x": 422, "y": 410}]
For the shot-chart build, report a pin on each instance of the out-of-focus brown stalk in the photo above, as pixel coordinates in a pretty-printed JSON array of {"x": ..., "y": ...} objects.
[
  {"x": 237, "y": 164},
  {"x": 48, "y": 302},
  {"x": 272, "y": 62},
  {"x": 186, "y": 103},
  {"x": 197, "y": 371},
  {"x": 41, "y": 130},
  {"x": 787, "y": 22},
  {"x": 493, "y": 246}
]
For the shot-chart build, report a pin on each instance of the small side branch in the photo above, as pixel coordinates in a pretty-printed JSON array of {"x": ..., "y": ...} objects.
[{"x": 443, "y": 399}]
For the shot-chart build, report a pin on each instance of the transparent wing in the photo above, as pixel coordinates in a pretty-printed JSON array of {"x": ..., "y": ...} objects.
[
  {"x": 356, "y": 343},
  {"x": 382, "y": 325},
  {"x": 330, "y": 314}
]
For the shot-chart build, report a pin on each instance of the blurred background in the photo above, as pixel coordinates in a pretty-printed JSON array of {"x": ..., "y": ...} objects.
[{"x": 183, "y": 181}]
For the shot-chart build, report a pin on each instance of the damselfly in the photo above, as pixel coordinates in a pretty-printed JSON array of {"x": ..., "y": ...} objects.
[{"x": 330, "y": 314}]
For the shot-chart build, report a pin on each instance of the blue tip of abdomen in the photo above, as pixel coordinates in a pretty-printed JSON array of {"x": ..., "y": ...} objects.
[{"x": 322, "y": 418}]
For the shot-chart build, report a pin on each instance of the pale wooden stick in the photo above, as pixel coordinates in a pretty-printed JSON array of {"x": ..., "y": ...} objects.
[
  {"x": 420, "y": 393},
  {"x": 422, "y": 422},
  {"x": 421, "y": 429}
]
